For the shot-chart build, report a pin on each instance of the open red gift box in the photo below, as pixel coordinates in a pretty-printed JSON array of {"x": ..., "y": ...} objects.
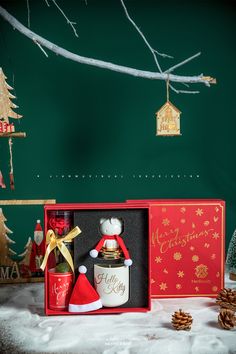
[
  {"x": 187, "y": 247},
  {"x": 177, "y": 248},
  {"x": 135, "y": 234}
]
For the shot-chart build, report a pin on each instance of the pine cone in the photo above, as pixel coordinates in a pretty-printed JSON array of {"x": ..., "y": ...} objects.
[
  {"x": 182, "y": 320},
  {"x": 226, "y": 319},
  {"x": 227, "y": 299}
]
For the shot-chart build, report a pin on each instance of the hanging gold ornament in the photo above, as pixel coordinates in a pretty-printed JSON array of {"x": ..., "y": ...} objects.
[{"x": 168, "y": 118}]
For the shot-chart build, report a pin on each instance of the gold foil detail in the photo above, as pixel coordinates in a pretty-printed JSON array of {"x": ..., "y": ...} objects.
[
  {"x": 158, "y": 259},
  {"x": 201, "y": 271},
  {"x": 163, "y": 286},
  {"x": 180, "y": 273},
  {"x": 195, "y": 258},
  {"x": 177, "y": 256},
  {"x": 199, "y": 212}
]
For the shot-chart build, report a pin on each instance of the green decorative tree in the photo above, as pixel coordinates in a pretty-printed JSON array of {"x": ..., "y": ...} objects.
[{"x": 231, "y": 257}]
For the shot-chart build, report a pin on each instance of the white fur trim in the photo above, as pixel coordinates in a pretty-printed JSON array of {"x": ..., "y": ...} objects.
[
  {"x": 82, "y": 269},
  {"x": 93, "y": 253},
  {"x": 85, "y": 308},
  {"x": 128, "y": 262}
]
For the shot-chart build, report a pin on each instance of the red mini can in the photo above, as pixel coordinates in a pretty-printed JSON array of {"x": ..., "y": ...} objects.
[{"x": 60, "y": 288}]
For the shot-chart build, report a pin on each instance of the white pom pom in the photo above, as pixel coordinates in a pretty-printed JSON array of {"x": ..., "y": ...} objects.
[
  {"x": 93, "y": 253},
  {"x": 82, "y": 269},
  {"x": 128, "y": 262}
]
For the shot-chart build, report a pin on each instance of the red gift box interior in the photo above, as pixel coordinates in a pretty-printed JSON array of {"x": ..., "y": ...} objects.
[{"x": 137, "y": 239}]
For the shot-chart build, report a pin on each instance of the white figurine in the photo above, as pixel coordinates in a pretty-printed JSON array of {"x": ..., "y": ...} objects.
[{"x": 111, "y": 241}]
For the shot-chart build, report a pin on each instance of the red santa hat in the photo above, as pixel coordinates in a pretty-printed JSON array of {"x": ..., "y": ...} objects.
[
  {"x": 84, "y": 297},
  {"x": 38, "y": 226}
]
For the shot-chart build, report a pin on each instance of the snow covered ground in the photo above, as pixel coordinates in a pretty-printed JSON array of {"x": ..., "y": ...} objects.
[{"x": 25, "y": 329}]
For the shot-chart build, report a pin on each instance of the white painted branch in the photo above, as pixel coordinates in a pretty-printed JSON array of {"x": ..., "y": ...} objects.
[
  {"x": 67, "y": 20},
  {"x": 183, "y": 91},
  {"x": 47, "y": 3},
  {"x": 143, "y": 37},
  {"x": 172, "y": 68},
  {"x": 154, "y": 52},
  {"x": 28, "y": 12},
  {"x": 207, "y": 80},
  {"x": 41, "y": 48}
]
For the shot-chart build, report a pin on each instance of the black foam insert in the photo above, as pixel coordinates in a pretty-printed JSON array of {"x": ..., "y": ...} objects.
[{"x": 135, "y": 236}]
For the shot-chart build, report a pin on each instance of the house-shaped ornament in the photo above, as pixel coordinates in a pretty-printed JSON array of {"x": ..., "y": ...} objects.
[{"x": 168, "y": 120}]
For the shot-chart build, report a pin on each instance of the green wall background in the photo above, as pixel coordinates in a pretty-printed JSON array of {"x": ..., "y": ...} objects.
[{"x": 85, "y": 124}]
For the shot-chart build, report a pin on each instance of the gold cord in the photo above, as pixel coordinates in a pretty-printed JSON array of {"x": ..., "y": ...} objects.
[{"x": 167, "y": 88}]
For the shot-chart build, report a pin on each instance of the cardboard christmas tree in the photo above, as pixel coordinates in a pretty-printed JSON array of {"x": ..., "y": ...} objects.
[
  {"x": 25, "y": 261},
  {"x": 6, "y": 105},
  {"x": 7, "y": 129},
  {"x": 5, "y": 251}
]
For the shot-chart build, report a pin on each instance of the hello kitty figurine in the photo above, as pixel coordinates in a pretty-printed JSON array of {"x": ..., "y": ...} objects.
[{"x": 111, "y": 241}]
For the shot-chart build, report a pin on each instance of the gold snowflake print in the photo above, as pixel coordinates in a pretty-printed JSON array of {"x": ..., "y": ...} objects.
[
  {"x": 158, "y": 259},
  {"x": 195, "y": 258},
  {"x": 166, "y": 222},
  {"x": 206, "y": 245},
  {"x": 201, "y": 271},
  {"x": 213, "y": 256},
  {"x": 180, "y": 274},
  {"x": 163, "y": 210},
  {"x": 217, "y": 209},
  {"x": 192, "y": 248},
  {"x": 183, "y": 210},
  {"x": 183, "y": 221},
  {"x": 196, "y": 289},
  {"x": 152, "y": 281},
  {"x": 165, "y": 271},
  {"x": 163, "y": 286},
  {"x": 215, "y": 218},
  {"x": 178, "y": 286},
  {"x": 214, "y": 289},
  {"x": 206, "y": 223},
  {"x": 193, "y": 225},
  {"x": 215, "y": 235},
  {"x": 177, "y": 256},
  {"x": 199, "y": 212},
  {"x": 217, "y": 274}
]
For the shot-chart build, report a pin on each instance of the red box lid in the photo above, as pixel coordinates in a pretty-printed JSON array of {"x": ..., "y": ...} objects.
[{"x": 187, "y": 247}]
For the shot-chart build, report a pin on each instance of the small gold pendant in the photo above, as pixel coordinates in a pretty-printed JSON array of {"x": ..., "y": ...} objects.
[{"x": 168, "y": 120}]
